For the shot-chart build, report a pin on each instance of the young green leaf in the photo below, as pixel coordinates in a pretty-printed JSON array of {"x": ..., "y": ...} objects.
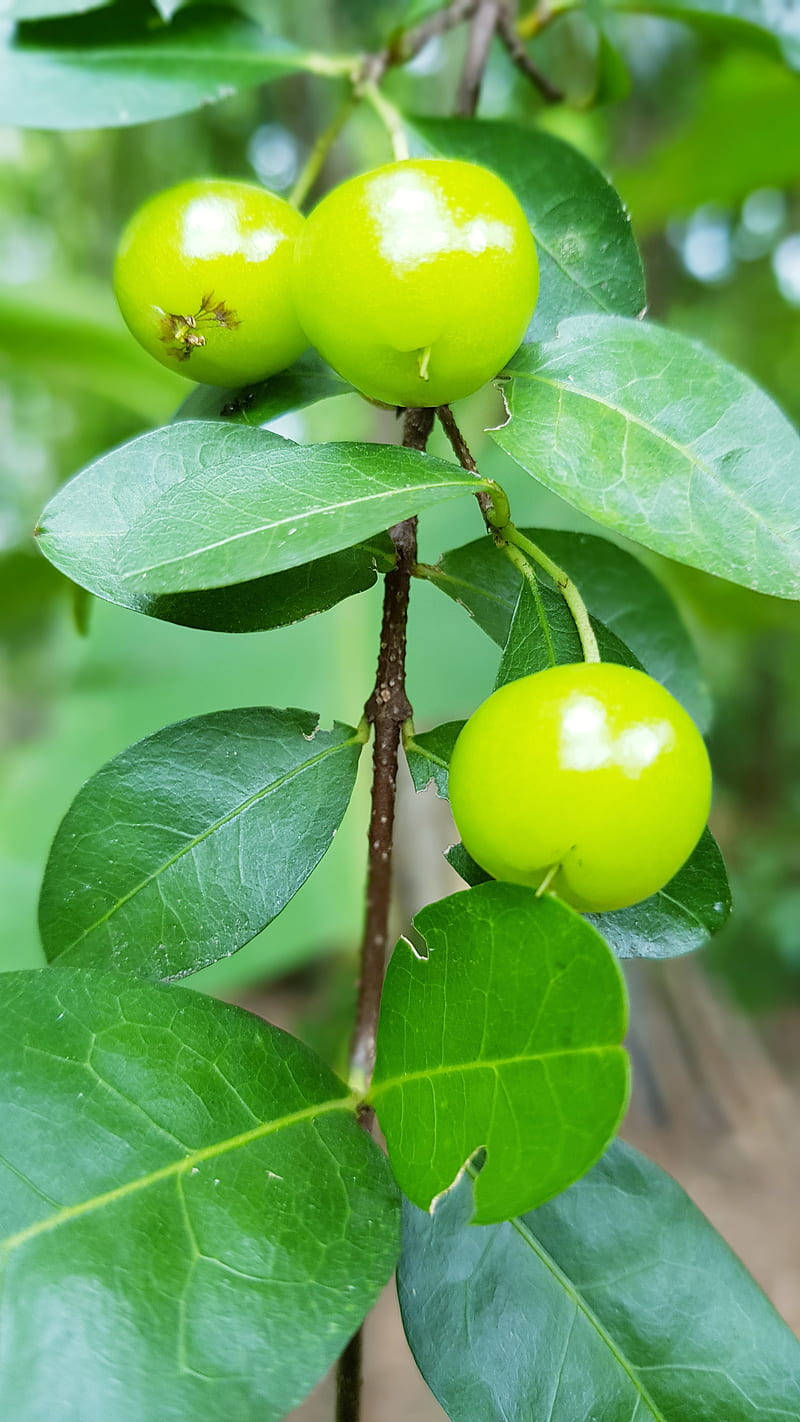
[
  {"x": 587, "y": 254},
  {"x": 680, "y": 918},
  {"x": 650, "y": 433},
  {"x": 202, "y": 505},
  {"x": 182, "y": 848},
  {"x": 303, "y": 384},
  {"x": 117, "y": 66},
  {"x": 770, "y": 24},
  {"x": 616, "y": 1301},
  {"x": 617, "y": 588},
  {"x": 507, "y": 1036},
  {"x": 193, "y": 1222}
]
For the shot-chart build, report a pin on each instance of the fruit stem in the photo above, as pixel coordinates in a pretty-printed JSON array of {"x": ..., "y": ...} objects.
[
  {"x": 565, "y": 585},
  {"x": 320, "y": 149},
  {"x": 390, "y": 117}
]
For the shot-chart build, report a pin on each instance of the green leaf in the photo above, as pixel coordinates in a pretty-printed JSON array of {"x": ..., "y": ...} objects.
[
  {"x": 275, "y": 601},
  {"x": 428, "y": 755},
  {"x": 120, "y": 66},
  {"x": 507, "y": 1036},
  {"x": 16, "y": 10},
  {"x": 587, "y": 254},
  {"x": 199, "y": 505},
  {"x": 616, "y": 587},
  {"x": 543, "y": 634},
  {"x": 202, "y": 505},
  {"x": 650, "y": 433},
  {"x": 616, "y": 1301},
  {"x": 193, "y": 1222},
  {"x": 303, "y": 384},
  {"x": 190, "y": 842},
  {"x": 680, "y": 918},
  {"x": 772, "y": 24}
]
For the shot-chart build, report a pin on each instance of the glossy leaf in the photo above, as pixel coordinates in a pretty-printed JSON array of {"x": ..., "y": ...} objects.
[
  {"x": 117, "y": 66},
  {"x": 46, "y": 9},
  {"x": 680, "y": 918},
  {"x": 193, "y": 1223},
  {"x": 616, "y": 587},
  {"x": 507, "y": 1036},
  {"x": 774, "y": 24},
  {"x": 655, "y": 436},
  {"x": 275, "y": 601},
  {"x": 184, "y": 847},
  {"x": 303, "y": 384},
  {"x": 588, "y": 258},
  {"x": 543, "y": 634},
  {"x": 202, "y": 505},
  {"x": 617, "y": 1301}
]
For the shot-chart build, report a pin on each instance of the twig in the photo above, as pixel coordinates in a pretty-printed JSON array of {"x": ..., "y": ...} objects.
[
  {"x": 348, "y": 1380},
  {"x": 319, "y": 152},
  {"x": 390, "y": 117},
  {"x": 481, "y": 34},
  {"x": 507, "y": 30},
  {"x": 493, "y": 515}
]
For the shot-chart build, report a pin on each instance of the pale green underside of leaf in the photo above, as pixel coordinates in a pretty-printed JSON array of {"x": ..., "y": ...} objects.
[
  {"x": 655, "y": 436},
  {"x": 626, "y": 601},
  {"x": 193, "y": 1221},
  {"x": 185, "y": 846},
  {"x": 111, "y": 68},
  {"x": 507, "y": 1036},
  {"x": 588, "y": 258},
  {"x": 618, "y": 1300},
  {"x": 201, "y": 505}
]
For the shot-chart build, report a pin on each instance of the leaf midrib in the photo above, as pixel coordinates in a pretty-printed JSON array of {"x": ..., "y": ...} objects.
[
  {"x": 486, "y": 1064},
  {"x": 529, "y": 1238},
  {"x": 693, "y": 459},
  {"x": 453, "y": 484},
  {"x": 206, "y": 833},
  {"x": 175, "y": 1168}
]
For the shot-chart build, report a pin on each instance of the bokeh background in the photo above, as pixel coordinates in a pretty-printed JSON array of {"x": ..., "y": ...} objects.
[{"x": 704, "y": 144}]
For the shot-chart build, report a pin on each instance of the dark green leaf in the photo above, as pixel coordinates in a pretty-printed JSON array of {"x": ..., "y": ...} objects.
[
  {"x": 617, "y": 1301},
  {"x": 617, "y": 588},
  {"x": 193, "y": 1222},
  {"x": 587, "y": 255},
  {"x": 302, "y": 384},
  {"x": 202, "y": 505},
  {"x": 274, "y": 601},
  {"x": 185, "y": 846},
  {"x": 465, "y": 865},
  {"x": 119, "y": 66},
  {"x": 428, "y": 755},
  {"x": 507, "y": 1036},
  {"x": 650, "y": 433},
  {"x": 17, "y": 10},
  {"x": 543, "y": 634},
  {"x": 773, "y": 24}
]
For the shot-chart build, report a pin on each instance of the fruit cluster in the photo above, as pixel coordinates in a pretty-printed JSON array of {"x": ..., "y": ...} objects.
[{"x": 416, "y": 282}]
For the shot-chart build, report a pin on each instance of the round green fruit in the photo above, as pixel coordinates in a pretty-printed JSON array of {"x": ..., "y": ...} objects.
[
  {"x": 416, "y": 282},
  {"x": 203, "y": 280},
  {"x": 593, "y": 772}
]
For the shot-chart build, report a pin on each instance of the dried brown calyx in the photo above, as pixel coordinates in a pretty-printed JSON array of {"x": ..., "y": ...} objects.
[{"x": 183, "y": 333}]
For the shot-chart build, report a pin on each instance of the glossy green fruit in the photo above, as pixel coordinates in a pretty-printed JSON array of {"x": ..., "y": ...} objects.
[
  {"x": 416, "y": 282},
  {"x": 202, "y": 278},
  {"x": 594, "y": 768}
]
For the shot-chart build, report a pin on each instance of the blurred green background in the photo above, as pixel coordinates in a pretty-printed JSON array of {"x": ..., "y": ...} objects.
[{"x": 704, "y": 146}]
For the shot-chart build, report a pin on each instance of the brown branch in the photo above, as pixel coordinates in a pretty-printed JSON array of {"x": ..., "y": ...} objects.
[
  {"x": 463, "y": 454},
  {"x": 408, "y": 43},
  {"x": 507, "y": 30},
  {"x": 387, "y": 710},
  {"x": 481, "y": 34}
]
